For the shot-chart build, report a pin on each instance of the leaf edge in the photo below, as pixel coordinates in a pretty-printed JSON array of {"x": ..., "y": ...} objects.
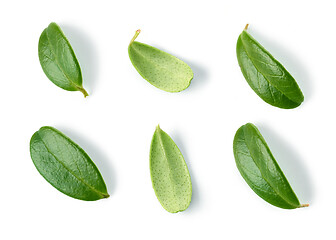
[{"x": 103, "y": 195}]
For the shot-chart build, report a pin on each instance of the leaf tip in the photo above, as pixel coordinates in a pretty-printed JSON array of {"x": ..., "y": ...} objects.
[
  {"x": 304, "y": 205},
  {"x": 246, "y": 27},
  {"x": 158, "y": 127},
  {"x": 106, "y": 195}
]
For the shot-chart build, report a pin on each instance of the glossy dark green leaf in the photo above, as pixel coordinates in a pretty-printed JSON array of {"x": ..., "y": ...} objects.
[
  {"x": 159, "y": 68},
  {"x": 265, "y": 75},
  {"x": 66, "y": 166},
  {"x": 58, "y": 60},
  {"x": 258, "y": 167},
  {"x": 169, "y": 173}
]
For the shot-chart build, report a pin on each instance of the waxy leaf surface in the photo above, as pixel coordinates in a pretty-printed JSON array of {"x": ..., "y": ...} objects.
[
  {"x": 58, "y": 60},
  {"x": 265, "y": 75},
  {"x": 159, "y": 68},
  {"x": 260, "y": 170},
  {"x": 66, "y": 166},
  {"x": 169, "y": 173}
]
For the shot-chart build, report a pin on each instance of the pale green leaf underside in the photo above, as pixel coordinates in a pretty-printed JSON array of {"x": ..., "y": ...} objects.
[
  {"x": 169, "y": 173},
  {"x": 66, "y": 166},
  {"x": 265, "y": 75},
  {"x": 260, "y": 170},
  {"x": 159, "y": 68},
  {"x": 58, "y": 59}
]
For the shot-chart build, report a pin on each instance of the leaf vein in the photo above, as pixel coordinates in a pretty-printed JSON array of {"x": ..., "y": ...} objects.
[
  {"x": 72, "y": 173},
  {"x": 275, "y": 190},
  {"x": 264, "y": 75}
]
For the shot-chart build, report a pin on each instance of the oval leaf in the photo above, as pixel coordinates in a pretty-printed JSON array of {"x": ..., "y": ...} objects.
[
  {"x": 265, "y": 75},
  {"x": 58, "y": 60},
  {"x": 66, "y": 166},
  {"x": 159, "y": 68},
  {"x": 169, "y": 173},
  {"x": 258, "y": 167}
]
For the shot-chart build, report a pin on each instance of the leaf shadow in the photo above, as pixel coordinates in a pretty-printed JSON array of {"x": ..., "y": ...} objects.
[
  {"x": 294, "y": 65},
  {"x": 291, "y": 163},
  {"x": 201, "y": 75},
  {"x": 96, "y": 155},
  {"x": 86, "y": 54},
  {"x": 195, "y": 197}
]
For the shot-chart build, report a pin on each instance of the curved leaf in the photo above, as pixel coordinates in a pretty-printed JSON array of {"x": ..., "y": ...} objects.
[
  {"x": 159, "y": 68},
  {"x": 265, "y": 75},
  {"x": 169, "y": 173},
  {"x": 258, "y": 167},
  {"x": 66, "y": 166},
  {"x": 58, "y": 60}
]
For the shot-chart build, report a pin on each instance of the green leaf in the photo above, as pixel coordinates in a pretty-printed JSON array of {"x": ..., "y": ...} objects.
[
  {"x": 58, "y": 60},
  {"x": 169, "y": 173},
  {"x": 159, "y": 68},
  {"x": 66, "y": 166},
  {"x": 258, "y": 167},
  {"x": 265, "y": 75}
]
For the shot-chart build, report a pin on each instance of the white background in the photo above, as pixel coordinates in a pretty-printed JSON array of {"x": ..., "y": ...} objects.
[{"x": 115, "y": 124}]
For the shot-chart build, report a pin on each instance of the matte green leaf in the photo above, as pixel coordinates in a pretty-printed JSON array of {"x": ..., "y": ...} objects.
[
  {"x": 258, "y": 167},
  {"x": 159, "y": 68},
  {"x": 265, "y": 75},
  {"x": 66, "y": 166},
  {"x": 58, "y": 60},
  {"x": 169, "y": 173}
]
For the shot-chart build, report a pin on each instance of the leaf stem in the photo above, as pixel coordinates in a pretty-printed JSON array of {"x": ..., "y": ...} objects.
[
  {"x": 304, "y": 205},
  {"x": 83, "y": 91},
  {"x": 106, "y": 195},
  {"x": 135, "y": 35},
  {"x": 246, "y": 27}
]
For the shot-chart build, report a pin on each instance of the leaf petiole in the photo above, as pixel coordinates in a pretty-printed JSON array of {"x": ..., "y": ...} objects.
[
  {"x": 135, "y": 35},
  {"x": 83, "y": 91}
]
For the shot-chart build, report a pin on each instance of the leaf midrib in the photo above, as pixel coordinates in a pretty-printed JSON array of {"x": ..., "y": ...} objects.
[
  {"x": 73, "y": 174},
  {"x": 58, "y": 64},
  {"x": 263, "y": 74},
  {"x": 170, "y": 171},
  {"x": 153, "y": 62},
  {"x": 286, "y": 200}
]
